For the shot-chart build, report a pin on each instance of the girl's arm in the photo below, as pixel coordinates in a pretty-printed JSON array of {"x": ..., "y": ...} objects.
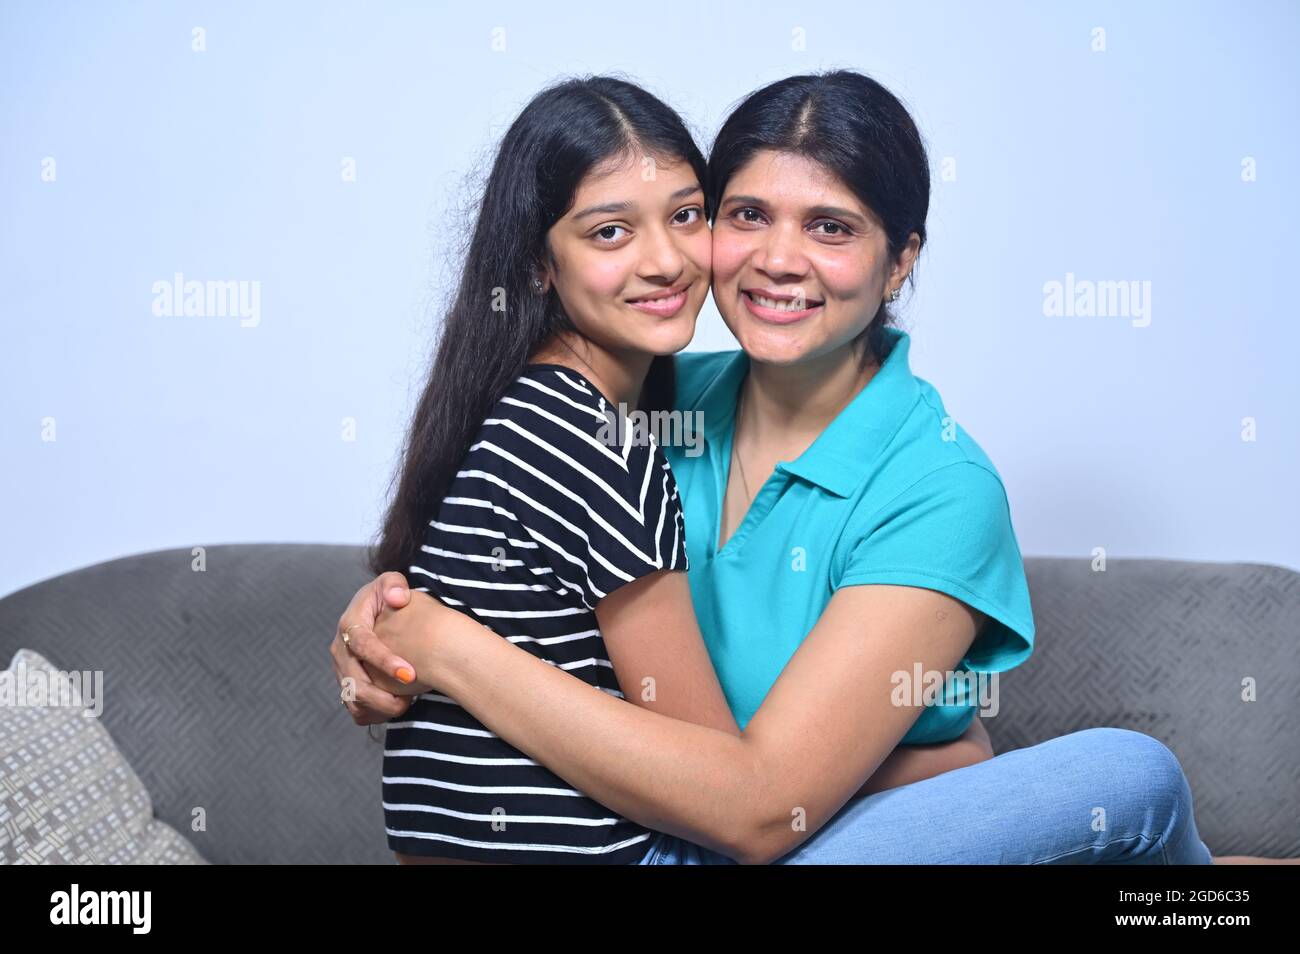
[
  {"x": 825, "y": 727},
  {"x": 653, "y": 639},
  {"x": 660, "y": 660}
]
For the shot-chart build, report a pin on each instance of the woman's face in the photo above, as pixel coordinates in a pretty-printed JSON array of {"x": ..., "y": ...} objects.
[
  {"x": 800, "y": 265},
  {"x": 632, "y": 255}
]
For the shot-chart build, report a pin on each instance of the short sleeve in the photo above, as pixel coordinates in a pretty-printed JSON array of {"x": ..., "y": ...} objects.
[
  {"x": 951, "y": 531},
  {"x": 633, "y": 525}
]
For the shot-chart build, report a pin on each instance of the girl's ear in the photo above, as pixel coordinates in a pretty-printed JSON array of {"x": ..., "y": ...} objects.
[{"x": 540, "y": 282}]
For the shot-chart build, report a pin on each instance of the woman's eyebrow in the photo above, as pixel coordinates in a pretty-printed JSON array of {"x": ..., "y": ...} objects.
[
  {"x": 834, "y": 211},
  {"x": 611, "y": 207}
]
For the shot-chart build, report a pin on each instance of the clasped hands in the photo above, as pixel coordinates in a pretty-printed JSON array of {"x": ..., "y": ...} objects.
[{"x": 391, "y": 638}]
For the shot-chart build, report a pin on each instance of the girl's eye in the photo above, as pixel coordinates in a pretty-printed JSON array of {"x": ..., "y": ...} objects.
[
  {"x": 606, "y": 233},
  {"x": 692, "y": 215},
  {"x": 839, "y": 229},
  {"x": 749, "y": 215}
]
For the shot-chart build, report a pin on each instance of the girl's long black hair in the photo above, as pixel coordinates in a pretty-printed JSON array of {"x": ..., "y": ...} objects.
[
  {"x": 497, "y": 320},
  {"x": 857, "y": 129}
]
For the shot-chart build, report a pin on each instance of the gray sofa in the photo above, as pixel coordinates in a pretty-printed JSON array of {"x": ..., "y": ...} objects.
[{"x": 219, "y": 691}]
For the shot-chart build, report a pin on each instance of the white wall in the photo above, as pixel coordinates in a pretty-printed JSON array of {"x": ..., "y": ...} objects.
[{"x": 1122, "y": 164}]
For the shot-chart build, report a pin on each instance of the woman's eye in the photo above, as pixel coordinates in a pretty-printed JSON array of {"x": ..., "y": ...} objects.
[
  {"x": 691, "y": 215},
  {"x": 837, "y": 228},
  {"x": 749, "y": 215},
  {"x": 606, "y": 233}
]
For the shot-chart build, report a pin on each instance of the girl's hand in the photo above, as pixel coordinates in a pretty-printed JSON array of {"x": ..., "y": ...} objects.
[
  {"x": 360, "y": 655},
  {"x": 412, "y": 633}
]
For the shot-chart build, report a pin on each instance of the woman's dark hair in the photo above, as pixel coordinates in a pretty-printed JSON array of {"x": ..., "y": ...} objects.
[
  {"x": 854, "y": 127},
  {"x": 496, "y": 320}
]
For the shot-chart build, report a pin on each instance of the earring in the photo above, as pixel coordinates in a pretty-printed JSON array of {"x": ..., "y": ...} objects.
[
  {"x": 893, "y": 295},
  {"x": 537, "y": 284}
]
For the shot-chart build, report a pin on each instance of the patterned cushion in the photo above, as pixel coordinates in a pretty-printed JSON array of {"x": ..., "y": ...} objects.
[{"x": 66, "y": 794}]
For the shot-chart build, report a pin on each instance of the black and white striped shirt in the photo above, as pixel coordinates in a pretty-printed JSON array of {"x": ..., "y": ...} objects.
[{"x": 545, "y": 517}]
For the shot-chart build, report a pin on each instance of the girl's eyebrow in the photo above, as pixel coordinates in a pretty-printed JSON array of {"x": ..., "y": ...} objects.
[
  {"x": 607, "y": 208},
  {"x": 611, "y": 207}
]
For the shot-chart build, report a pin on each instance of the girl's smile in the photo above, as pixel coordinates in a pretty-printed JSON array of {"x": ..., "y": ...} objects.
[{"x": 664, "y": 303}]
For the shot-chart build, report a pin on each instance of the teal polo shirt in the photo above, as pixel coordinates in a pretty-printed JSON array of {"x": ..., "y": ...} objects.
[{"x": 893, "y": 491}]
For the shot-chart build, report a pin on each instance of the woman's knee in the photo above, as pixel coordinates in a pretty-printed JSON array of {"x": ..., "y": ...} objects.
[
  {"x": 1141, "y": 763},
  {"x": 1130, "y": 747}
]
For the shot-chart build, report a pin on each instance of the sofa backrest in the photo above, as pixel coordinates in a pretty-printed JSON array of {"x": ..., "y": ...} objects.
[{"x": 219, "y": 692}]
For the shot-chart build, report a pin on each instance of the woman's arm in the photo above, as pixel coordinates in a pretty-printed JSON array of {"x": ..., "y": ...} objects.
[
  {"x": 825, "y": 727},
  {"x": 659, "y": 656}
]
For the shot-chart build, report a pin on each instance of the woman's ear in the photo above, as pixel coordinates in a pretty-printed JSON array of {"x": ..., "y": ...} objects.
[{"x": 906, "y": 259}]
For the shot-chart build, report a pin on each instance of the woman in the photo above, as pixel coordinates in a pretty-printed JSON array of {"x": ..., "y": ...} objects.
[
  {"x": 589, "y": 261},
  {"x": 848, "y": 507}
]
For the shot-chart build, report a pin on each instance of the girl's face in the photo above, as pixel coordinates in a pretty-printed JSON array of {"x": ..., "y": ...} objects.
[
  {"x": 632, "y": 256},
  {"x": 800, "y": 265}
]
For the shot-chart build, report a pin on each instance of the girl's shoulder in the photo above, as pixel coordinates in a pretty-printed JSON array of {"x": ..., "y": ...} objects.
[
  {"x": 560, "y": 388},
  {"x": 559, "y": 422},
  {"x": 560, "y": 406},
  {"x": 592, "y": 469}
]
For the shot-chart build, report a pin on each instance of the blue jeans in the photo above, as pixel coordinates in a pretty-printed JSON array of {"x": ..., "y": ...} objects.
[{"x": 1097, "y": 796}]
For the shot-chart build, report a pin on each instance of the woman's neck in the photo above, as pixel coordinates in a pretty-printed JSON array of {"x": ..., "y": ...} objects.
[
  {"x": 620, "y": 376},
  {"x": 790, "y": 405}
]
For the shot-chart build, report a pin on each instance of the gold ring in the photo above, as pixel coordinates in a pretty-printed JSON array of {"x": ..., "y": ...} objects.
[{"x": 347, "y": 636}]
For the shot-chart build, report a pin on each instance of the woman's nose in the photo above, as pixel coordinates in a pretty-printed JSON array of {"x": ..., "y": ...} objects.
[{"x": 779, "y": 253}]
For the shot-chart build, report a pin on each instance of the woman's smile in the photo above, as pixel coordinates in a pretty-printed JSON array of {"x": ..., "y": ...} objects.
[{"x": 779, "y": 308}]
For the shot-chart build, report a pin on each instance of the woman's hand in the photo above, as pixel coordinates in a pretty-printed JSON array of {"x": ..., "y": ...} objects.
[
  {"x": 364, "y": 656},
  {"x": 978, "y": 736},
  {"x": 912, "y": 763}
]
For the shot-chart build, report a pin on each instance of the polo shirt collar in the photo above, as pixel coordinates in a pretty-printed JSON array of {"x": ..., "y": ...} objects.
[{"x": 842, "y": 456}]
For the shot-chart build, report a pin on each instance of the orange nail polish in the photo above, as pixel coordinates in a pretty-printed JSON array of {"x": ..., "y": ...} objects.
[{"x": 405, "y": 674}]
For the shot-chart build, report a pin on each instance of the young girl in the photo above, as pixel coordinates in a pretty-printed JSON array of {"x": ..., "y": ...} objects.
[
  {"x": 589, "y": 262},
  {"x": 842, "y": 530}
]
